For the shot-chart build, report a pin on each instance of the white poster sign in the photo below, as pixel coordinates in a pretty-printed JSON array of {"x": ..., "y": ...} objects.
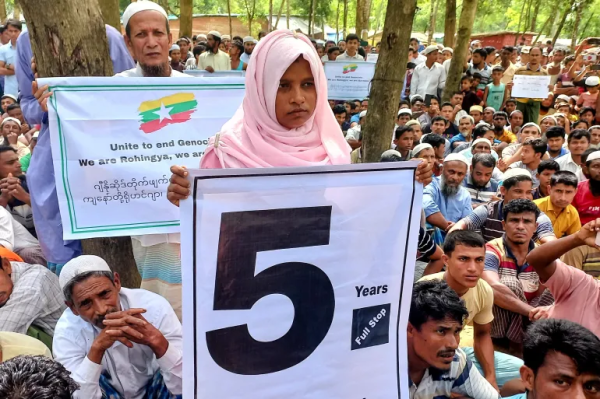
[
  {"x": 114, "y": 140},
  {"x": 530, "y": 86},
  {"x": 297, "y": 281},
  {"x": 372, "y": 57},
  {"x": 349, "y": 79}
]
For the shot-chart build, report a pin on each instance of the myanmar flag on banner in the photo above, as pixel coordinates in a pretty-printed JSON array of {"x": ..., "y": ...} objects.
[{"x": 156, "y": 114}]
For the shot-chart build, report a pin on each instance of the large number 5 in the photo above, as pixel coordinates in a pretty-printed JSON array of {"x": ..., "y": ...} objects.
[{"x": 242, "y": 236}]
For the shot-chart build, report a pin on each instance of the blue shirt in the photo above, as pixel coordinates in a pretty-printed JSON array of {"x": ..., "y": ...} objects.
[
  {"x": 453, "y": 208},
  {"x": 355, "y": 118},
  {"x": 518, "y": 396},
  {"x": 40, "y": 175},
  {"x": 8, "y": 54},
  {"x": 459, "y": 137},
  {"x": 563, "y": 151}
]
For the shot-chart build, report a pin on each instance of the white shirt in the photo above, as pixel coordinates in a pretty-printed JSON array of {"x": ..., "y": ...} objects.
[
  {"x": 13, "y": 235},
  {"x": 245, "y": 58},
  {"x": 345, "y": 57},
  {"x": 420, "y": 59},
  {"x": 130, "y": 369},
  {"x": 566, "y": 163},
  {"x": 353, "y": 133},
  {"x": 428, "y": 81},
  {"x": 219, "y": 61},
  {"x": 148, "y": 240}
]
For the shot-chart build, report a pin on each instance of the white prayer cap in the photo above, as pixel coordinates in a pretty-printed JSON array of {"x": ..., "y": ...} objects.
[
  {"x": 412, "y": 122},
  {"x": 9, "y": 118},
  {"x": 483, "y": 123},
  {"x": 514, "y": 112},
  {"x": 549, "y": 117},
  {"x": 420, "y": 148},
  {"x": 215, "y": 33},
  {"x": 563, "y": 97},
  {"x": 9, "y": 96},
  {"x": 416, "y": 97},
  {"x": 248, "y": 39},
  {"x": 448, "y": 49},
  {"x": 468, "y": 117},
  {"x": 406, "y": 111},
  {"x": 592, "y": 127},
  {"x": 535, "y": 125},
  {"x": 526, "y": 50},
  {"x": 477, "y": 108},
  {"x": 592, "y": 81},
  {"x": 226, "y": 37},
  {"x": 363, "y": 114},
  {"x": 175, "y": 47},
  {"x": 490, "y": 109},
  {"x": 481, "y": 140},
  {"x": 430, "y": 49},
  {"x": 80, "y": 265},
  {"x": 514, "y": 172},
  {"x": 201, "y": 36},
  {"x": 142, "y": 5},
  {"x": 593, "y": 156},
  {"x": 456, "y": 157}
]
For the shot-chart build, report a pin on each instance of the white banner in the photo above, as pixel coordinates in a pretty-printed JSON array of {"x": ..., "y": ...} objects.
[
  {"x": 114, "y": 140},
  {"x": 297, "y": 281},
  {"x": 349, "y": 80},
  {"x": 530, "y": 86}
]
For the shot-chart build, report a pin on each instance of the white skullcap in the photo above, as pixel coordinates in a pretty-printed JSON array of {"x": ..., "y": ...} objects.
[
  {"x": 481, "y": 140},
  {"x": 412, "y": 122},
  {"x": 420, "y": 148},
  {"x": 448, "y": 49},
  {"x": 80, "y": 265},
  {"x": 514, "y": 112},
  {"x": 592, "y": 127},
  {"x": 215, "y": 33},
  {"x": 226, "y": 37},
  {"x": 175, "y": 47},
  {"x": 535, "y": 125},
  {"x": 9, "y": 118},
  {"x": 563, "y": 97},
  {"x": 142, "y": 5},
  {"x": 201, "y": 36},
  {"x": 467, "y": 116},
  {"x": 549, "y": 117},
  {"x": 592, "y": 81},
  {"x": 406, "y": 111},
  {"x": 416, "y": 97},
  {"x": 248, "y": 39},
  {"x": 490, "y": 109},
  {"x": 363, "y": 114},
  {"x": 593, "y": 156},
  {"x": 484, "y": 123},
  {"x": 9, "y": 96},
  {"x": 456, "y": 157},
  {"x": 476, "y": 108},
  {"x": 514, "y": 172},
  {"x": 430, "y": 49}
]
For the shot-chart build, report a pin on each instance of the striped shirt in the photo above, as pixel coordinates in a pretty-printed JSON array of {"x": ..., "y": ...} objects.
[
  {"x": 463, "y": 379},
  {"x": 500, "y": 259},
  {"x": 488, "y": 219},
  {"x": 426, "y": 246},
  {"x": 479, "y": 195}
]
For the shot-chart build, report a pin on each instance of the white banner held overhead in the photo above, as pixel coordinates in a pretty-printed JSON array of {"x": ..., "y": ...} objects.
[
  {"x": 297, "y": 281},
  {"x": 349, "y": 79},
  {"x": 530, "y": 86},
  {"x": 115, "y": 139}
]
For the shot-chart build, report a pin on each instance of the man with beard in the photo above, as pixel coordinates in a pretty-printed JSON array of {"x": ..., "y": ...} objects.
[
  {"x": 437, "y": 368},
  {"x": 518, "y": 294},
  {"x": 116, "y": 342},
  {"x": 587, "y": 199},
  {"x": 249, "y": 44},
  {"x": 488, "y": 218},
  {"x": 465, "y": 126},
  {"x": 448, "y": 202},
  {"x": 479, "y": 182},
  {"x": 214, "y": 59}
]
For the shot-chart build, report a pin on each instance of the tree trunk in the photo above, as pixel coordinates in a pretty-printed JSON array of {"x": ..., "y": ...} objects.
[
  {"x": 16, "y": 11},
  {"x": 536, "y": 12},
  {"x": 379, "y": 10},
  {"x": 519, "y": 24},
  {"x": 310, "y": 16},
  {"x": 229, "y": 18},
  {"x": 287, "y": 13},
  {"x": 314, "y": 16},
  {"x": 110, "y": 13},
  {"x": 68, "y": 38},
  {"x": 363, "y": 8},
  {"x": 562, "y": 22},
  {"x": 270, "y": 21},
  {"x": 432, "y": 19},
  {"x": 465, "y": 26},
  {"x": 278, "y": 14},
  {"x": 541, "y": 30},
  {"x": 2, "y": 10},
  {"x": 337, "y": 23},
  {"x": 431, "y": 16},
  {"x": 185, "y": 17},
  {"x": 585, "y": 27},
  {"x": 578, "y": 12},
  {"x": 450, "y": 23},
  {"x": 388, "y": 79},
  {"x": 345, "y": 31}
]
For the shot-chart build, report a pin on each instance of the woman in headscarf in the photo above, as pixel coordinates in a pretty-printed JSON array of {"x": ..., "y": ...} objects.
[{"x": 284, "y": 119}]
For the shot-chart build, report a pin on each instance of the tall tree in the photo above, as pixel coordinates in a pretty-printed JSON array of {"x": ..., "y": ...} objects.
[
  {"x": 363, "y": 10},
  {"x": 185, "y": 17},
  {"x": 389, "y": 77},
  {"x": 337, "y": 21},
  {"x": 311, "y": 16},
  {"x": 250, "y": 6},
  {"x": 578, "y": 11},
  {"x": 345, "y": 30},
  {"x": 459, "y": 58},
  {"x": 536, "y": 12},
  {"x": 2, "y": 11},
  {"x": 270, "y": 21},
  {"x": 110, "y": 13},
  {"x": 432, "y": 19},
  {"x": 17, "y": 10},
  {"x": 68, "y": 38},
  {"x": 562, "y": 21},
  {"x": 287, "y": 14},
  {"x": 279, "y": 14},
  {"x": 229, "y": 18},
  {"x": 450, "y": 23},
  {"x": 520, "y": 19}
]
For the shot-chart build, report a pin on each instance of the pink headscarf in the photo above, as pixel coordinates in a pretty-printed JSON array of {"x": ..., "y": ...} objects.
[{"x": 253, "y": 138}]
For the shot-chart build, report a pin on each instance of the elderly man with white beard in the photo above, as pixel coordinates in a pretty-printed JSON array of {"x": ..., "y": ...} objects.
[{"x": 448, "y": 202}]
